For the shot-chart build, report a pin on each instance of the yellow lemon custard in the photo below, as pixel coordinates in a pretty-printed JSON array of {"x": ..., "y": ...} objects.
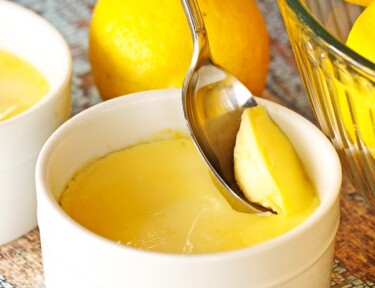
[
  {"x": 21, "y": 85},
  {"x": 266, "y": 166},
  {"x": 160, "y": 196}
]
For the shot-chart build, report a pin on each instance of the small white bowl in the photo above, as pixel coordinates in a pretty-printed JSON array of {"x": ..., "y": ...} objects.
[
  {"x": 72, "y": 254},
  {"x": 29, "y": 36}
]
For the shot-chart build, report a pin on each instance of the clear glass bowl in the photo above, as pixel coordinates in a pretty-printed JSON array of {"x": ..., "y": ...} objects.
[{"x": 339, "y": 82}]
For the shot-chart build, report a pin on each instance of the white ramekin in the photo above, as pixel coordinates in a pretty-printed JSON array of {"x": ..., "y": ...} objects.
[
  {"x": 29, "y": 36},
  {"x": 73, "y": 255}
]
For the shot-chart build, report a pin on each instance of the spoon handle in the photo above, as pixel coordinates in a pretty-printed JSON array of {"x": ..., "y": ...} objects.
[
  {"x": 194, "y": 16},
  {"x": 201, "y": 51}
]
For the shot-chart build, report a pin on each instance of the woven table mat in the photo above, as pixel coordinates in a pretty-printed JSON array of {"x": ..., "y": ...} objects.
[{"x": 354, "y": 264}]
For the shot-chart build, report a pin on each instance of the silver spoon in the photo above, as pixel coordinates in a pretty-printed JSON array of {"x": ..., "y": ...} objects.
[{"x": 213, "y": 101}]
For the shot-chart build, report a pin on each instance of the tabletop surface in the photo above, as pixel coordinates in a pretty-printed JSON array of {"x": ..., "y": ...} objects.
[{"x": 354, "y": 263}]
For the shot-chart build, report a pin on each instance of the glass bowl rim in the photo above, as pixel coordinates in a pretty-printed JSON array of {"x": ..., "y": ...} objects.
[{"x": 337, "y": 46}]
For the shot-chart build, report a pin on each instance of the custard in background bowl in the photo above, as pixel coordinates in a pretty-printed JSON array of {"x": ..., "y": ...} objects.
[
  {"x": 21, "y": 85},
  {"x": 28, "y": 42},
  {"x": 74, "y": 252},
  {"x": 340, "y": 82}
]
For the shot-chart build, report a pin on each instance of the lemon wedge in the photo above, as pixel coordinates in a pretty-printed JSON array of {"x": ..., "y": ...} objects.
[
  {"x": 360, "y": 2},
  {"x": 362, "y": 35},
  {"x": 266, "y": 166}
]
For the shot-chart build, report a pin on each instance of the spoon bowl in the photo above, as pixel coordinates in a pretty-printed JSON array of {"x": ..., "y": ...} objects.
[{"x": 213, "y": 102}]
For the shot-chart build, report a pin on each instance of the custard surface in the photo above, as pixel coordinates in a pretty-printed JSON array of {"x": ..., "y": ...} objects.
[
  {"x": 21, "y": 85},
  {"x": 159, "y": 196}
]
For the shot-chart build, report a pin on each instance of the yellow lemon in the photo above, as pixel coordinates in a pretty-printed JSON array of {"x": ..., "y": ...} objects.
[
  {"x": 357, "y": 106},
  {"x": 360, "y": 2},
  {"x": 141, "y": 45},
  {"x": 355, "y": 96},
  {"x": 362, "y": 35}
]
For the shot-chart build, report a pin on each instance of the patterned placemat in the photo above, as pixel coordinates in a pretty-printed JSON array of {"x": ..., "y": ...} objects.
[{"x": 354, "y": 265}]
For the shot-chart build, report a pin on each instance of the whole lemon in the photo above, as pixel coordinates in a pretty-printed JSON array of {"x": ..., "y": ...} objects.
[{"x": 147, "y": 44}]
